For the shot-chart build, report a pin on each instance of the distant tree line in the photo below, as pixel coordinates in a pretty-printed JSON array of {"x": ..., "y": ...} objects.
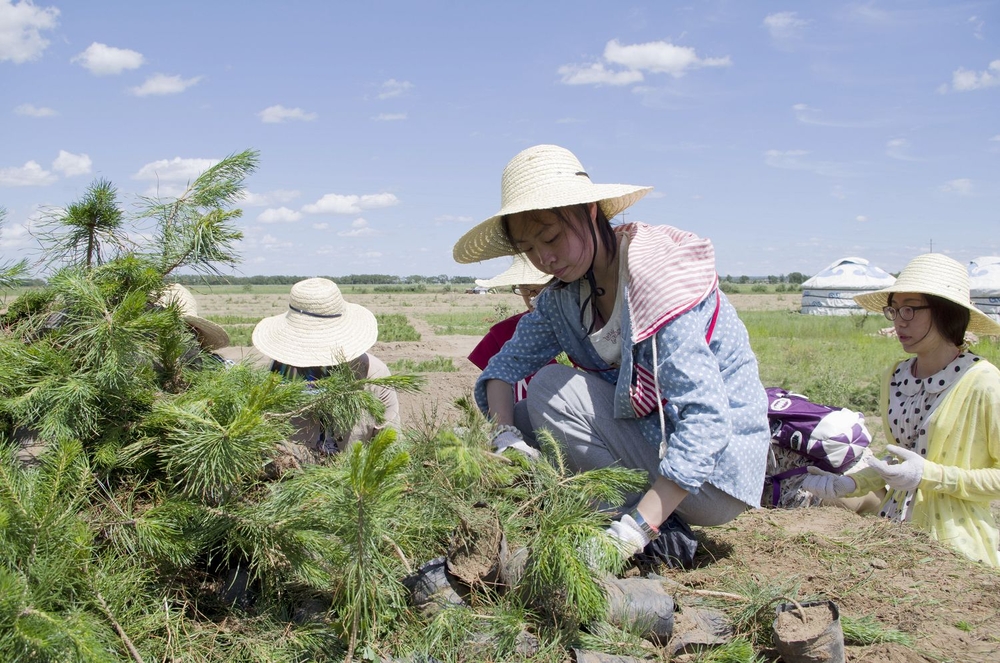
[
  {"x": 350, "y": 279},
  {"x": 793, "y": 278}
]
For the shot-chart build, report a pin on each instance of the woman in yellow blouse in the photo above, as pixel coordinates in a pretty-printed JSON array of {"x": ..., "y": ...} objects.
[{"x": 941, "y": 408}]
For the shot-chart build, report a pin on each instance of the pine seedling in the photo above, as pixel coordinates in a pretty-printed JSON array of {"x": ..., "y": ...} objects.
[
  {"x": 196, "y": 230},
  {"x": 11, "y": 272},
  {"x": 569, "y": 540},
  {"x": 88, "y": 232},
  {"x": 371, "y": 490}
]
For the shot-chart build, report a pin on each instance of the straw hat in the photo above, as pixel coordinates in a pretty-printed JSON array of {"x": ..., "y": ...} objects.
[
  {"x": 213, "y": 336},
  {"x": 934, "y": 274},
  {"x": 541, "y": 177},
  {"x": 521, "y": 272},
  {"x": 319, "y": 328}
]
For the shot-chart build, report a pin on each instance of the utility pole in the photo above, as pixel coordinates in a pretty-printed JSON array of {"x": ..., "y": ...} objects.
[{"x": 932, "y": 246}]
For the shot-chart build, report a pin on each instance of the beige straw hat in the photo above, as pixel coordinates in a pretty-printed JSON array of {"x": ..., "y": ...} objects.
[
  {"x": 319, "y": 328},
  {"x": 521, "y": 272},
  {"x": 541, "y": 177},
  {"x": 934, "y": 274},
  {"x": 213, "y": 336}
]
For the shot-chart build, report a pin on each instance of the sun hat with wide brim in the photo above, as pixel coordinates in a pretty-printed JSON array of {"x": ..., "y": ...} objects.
[
  {"x": 213, "y": 336},
  {"x": 520, "y": 272},
  {"x": 541, "y": 177},
  {"x": 934, "y": 274},
  {"x": 319, "y": 328}
]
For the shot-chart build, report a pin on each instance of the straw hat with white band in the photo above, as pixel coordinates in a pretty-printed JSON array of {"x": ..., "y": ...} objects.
[
  {"x": 521, "y": 272},
  {"x": 319, "y": 328},
  {"x": 934, "y": 274},
  {"x": 213, "y": 336},
  {"x": 541, "y": 177}
]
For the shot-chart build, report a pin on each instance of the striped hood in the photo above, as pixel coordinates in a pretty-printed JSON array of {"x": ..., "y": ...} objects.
[{"x": 670, "y": 272}]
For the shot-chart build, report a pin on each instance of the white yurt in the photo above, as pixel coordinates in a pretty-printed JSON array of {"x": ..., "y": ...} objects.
[
  {"x": 984, "y": 285},
  {"x": 832, "y": 290}
]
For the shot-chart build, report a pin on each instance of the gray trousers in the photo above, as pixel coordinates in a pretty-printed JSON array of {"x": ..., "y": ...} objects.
[{"x": 578, "y": 409}]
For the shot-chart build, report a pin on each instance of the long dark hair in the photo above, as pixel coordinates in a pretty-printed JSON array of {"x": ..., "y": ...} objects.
[{"x": 572, "y": 217}]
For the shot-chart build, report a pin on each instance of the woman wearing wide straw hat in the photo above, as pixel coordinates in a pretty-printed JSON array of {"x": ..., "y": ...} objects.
[
  {"x": 668, "y": 384},
  {"x": 210, "y": 335},
  {"x": 318, "y": 331},
  {"x": 941, "y": 408}
]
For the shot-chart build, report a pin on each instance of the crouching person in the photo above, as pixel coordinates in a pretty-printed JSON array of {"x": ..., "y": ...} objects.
[{"x": 318, "y": 332}]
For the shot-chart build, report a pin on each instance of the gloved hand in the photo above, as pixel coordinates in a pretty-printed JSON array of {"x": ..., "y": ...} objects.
[
  {"x": 827, "y": 485},
  {"x": 902, "y": 476},
  {"x": 628, "y": 535},
  {"x": 509, "y": 437}
]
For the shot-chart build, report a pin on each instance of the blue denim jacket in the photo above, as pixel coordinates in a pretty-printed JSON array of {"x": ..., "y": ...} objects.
[{"x": 715, "y": 418}]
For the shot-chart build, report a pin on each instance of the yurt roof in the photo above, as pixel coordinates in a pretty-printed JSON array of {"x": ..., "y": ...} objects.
[
  {"x": 851, "y": 273},
  {"x": 984, "y": 276}
]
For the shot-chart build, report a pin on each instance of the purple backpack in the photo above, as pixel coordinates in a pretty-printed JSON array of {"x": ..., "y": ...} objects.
[{"x": 828, "y": 437}]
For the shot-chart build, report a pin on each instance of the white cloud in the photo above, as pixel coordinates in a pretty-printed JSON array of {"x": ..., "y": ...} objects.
[
  {"x": 15, "y": 235},
  {"x": 359, "y": 228},
  {"x": 279, "y": 215},
  {"x": 70, "y": 164},
  {"x": 103, "y": 60},
  {"x": 861, "y": 218},
  {"x": 278, "y": 114},
  {"x": 161, "y": 84},
  {"x": 174, "y": 170},
  {"x": 656, "y": 57},
  {"x": 20, "y": 30},
  {"x": 899, "y": 148},
  {"x": 659, "y": 57},
  {"x": 996, "y": 138},
  {"x": 320, "y": 226},
  {"x": 449, "y": 218},
  {"x": 596, "y": 74},
  {"x": 35, "y": 111},
  {"x": 795, "y": 160},
  {"x": 268, "y": 198},
  {"x": 569, "y": 120},
  {"x": 977, "y": 26},
  {"x": 393, "y": 88},
  {"x": 785, "y": 25},
  {"x": 333, "y": 203},
  {"x": 961, "y": 187},
  {"x": 806, "y": 114},
  {"x": 965, "y": 80},
  {"x": 272, "y": 243},
  {"x": 30, "y": 174},
  {"x": 389, "y": 117}
]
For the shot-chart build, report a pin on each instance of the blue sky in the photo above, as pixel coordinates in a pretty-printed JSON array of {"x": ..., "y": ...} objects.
[{"x": 790, "y": 133}]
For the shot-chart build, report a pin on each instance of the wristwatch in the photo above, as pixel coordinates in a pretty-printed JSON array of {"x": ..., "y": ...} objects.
[{"x": 647, "y": 529}]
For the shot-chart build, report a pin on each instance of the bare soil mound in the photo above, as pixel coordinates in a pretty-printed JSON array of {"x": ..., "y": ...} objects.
[{"x": 870, "y": 567}]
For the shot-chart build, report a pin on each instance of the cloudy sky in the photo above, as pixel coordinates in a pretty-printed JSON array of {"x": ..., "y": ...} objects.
[{"x": 790, "y": 133}]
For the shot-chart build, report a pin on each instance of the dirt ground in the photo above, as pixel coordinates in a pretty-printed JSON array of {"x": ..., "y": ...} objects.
[
  {"x": 869, "y": 567},
  {"x": 436, "y": 401}
]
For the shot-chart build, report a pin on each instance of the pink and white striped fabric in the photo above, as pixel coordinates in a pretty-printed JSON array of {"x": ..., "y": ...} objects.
[{"x": 670, "y": 271}]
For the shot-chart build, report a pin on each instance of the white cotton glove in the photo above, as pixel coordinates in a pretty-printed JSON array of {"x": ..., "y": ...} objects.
[
  {"x": 509, "y": 437},
  {"x": 628, "y": 535},
  {"x": 902, "y": 476},
  {"x": 827, "y": 485}
]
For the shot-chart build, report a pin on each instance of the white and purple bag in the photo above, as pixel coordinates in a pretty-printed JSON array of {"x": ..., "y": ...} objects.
[{"x": 827, "y": 437}]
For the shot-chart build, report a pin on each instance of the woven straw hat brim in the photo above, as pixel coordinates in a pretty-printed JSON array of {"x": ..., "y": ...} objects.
[
  {"x": 939, "y": 275},
  {"x": 486, "y": 240},
  {"x": 302, "y": 341},
  {"x": 521, "y": 272},
  {"x": 213, "y": 335}
]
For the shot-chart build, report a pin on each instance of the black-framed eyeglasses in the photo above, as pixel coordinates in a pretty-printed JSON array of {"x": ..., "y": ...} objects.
[
  {"x": 530, "y": 291},
  {"x": 904, "y": 312}
]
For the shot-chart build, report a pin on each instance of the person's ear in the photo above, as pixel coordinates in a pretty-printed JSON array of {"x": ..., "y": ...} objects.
[{"x": 592, "y": 211}]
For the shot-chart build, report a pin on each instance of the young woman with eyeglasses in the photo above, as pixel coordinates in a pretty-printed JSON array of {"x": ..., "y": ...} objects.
[{"x": 941, "y": 410}]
